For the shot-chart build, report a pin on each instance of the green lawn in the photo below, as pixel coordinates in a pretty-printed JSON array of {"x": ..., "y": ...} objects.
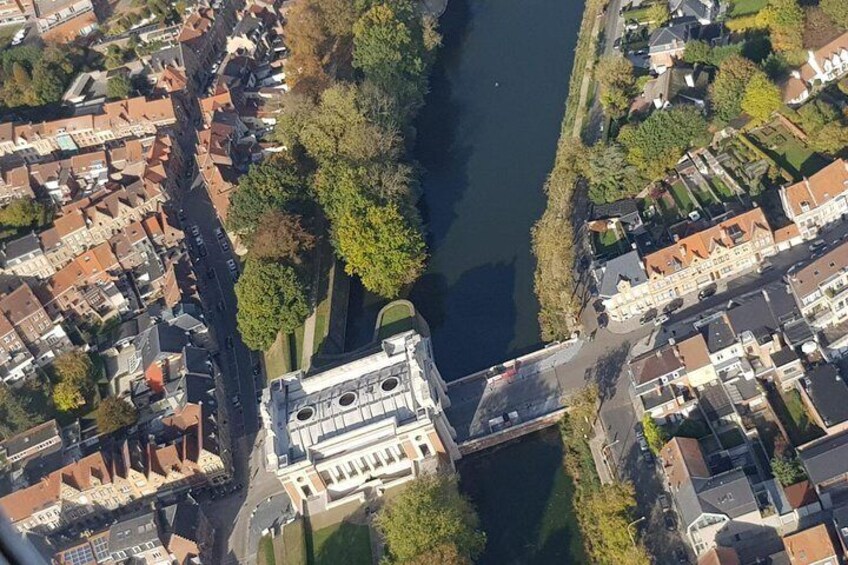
[
  {"x": 294, "y": 543},
  {"x": 722, "y": 190},
  {"x": 637, "y": 14},
  {"x": 278, "y": 358},
  {"x": 341, "y": 544},
  {"x": 266, "y": 551},
  {"x": 789, "y": 153},
  {"x": 747, "y": 7},
  {"x": 681, "y": 198},
  {"x": 791, "y": 411},
  {"x": 396, "y": 318},
  {"x": 322, "y": 315}
]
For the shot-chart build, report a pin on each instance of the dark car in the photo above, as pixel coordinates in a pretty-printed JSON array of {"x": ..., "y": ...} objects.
[
  {"x": 668, "y": 520},
  {"x": 603, "y": 321},
  {"x": 210, "y": 273},
  {"x": 648, "y": 316},
  {"x": 257, "y": 369},
  {"x": 675, "y": 304},
  {"x": 707, "y": 292},
  {"x": 229, "y": 342},
  {"x": 681, "y": 556}
]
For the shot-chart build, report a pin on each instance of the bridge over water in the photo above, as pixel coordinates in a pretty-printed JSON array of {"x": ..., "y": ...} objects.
[{"x": 510, "y": 400}]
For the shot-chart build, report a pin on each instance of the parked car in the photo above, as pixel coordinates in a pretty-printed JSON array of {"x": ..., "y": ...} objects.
[
  {"x": 668, "y": 520},
  {"x": 219, "y": 233},
  {"x": 664, "y": 504},
  {"x": 194, "y": 230},
  {"x": 229, "y": 342},
  {"x": 201, "y": 250},
  {"x": 681, "y": 556},
  {"x": 766, "y": 266},
  {"x": 660, "y": 320},
  {"x": 817, "y": 244},
  {"x": 224, "y": 245},
  {"x": 706, "y": 292},
  {"x": 648, "y": 316},
  {"x": 231, "y": 265}
]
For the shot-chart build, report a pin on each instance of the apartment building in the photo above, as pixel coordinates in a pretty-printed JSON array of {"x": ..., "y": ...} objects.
[
  {"x": 823, "y": 65},
  {"x": 43, "y": 337},
  {"x": 819, "y": 200},
  {"x": 14, "y": 184},
  {"x": 183, "y": 450},
  {"x": 203, "y": 38},
  {"x": 133, "y": 117},
  {"x": 715, "y": 509},
  {"x": 718, "y": 253},
  {"x": 25, "y": 257},
  {"x": 16, "y": 361},
  {"x": 826, "y": 463},
  {"x": 342, "y": 436},
  {"x": 65, "y": 20},
  {"x": 821, "y": 288},
  {"x": 15, "y": 12},
  {"x": 179, "y": 533},
  {"x": 32, "y": 443},
  {"x": 219, "y": 159},
  {"x": 813, "y": 546},
  {"x": 825, "y": 394}
]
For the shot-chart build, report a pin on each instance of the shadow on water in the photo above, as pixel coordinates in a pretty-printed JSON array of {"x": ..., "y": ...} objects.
[{"x": 524, "y": 509}]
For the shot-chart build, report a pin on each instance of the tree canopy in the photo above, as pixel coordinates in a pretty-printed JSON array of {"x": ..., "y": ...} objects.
[
  {"x": 616, "y": 81},
  {"x": 281, "y": 236},
  {"x": 786, "y": 466},
  {"x": 118, "y": 87},
  {"x": 34, "y": 77},
  {"x": 271, "y": 298},
  {"x": 654, "y": 434},
  {"x": 430, "y": 515},
  {"x": 21, "y": 213},
  {"x": 762, "y": 97},
  {"x": 23, "y": 406},
  {"x": 611, "y": 177},
  {"x": 75, "y": 381},
  {"x": 837, "y": 10},
  {"x": 380, "y": 246},
  {"x": 728, "y": 89},
  {"x": 114, "y": 413},
  {"x": 271, "y": 185},
  {"x": 655, "y": 145},
  {"x": 785, "y": 22}
]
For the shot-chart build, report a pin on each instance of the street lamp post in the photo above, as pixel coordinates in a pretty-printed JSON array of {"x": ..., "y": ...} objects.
[{"x": 633, "y": 523}]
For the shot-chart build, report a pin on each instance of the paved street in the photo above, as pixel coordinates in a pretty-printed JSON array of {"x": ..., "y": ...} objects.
[{"x": 230, "y": 515}]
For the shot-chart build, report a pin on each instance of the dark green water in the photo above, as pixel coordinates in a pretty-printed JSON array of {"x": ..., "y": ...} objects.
[
  {"x": 523, "y": 498},
  {"x": 486, "y": 140}
]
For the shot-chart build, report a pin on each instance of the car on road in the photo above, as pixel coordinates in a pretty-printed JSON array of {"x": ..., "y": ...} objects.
[
  {"x": 221, "y": 306},
  {"x": 648, "y": 316},
  {"x": 201, "y": 250},
  {"x": 706, "y": 292},
  {"x": 231, "y": 265},
  {"x": 19, "y": 36},
  {"x": 236, "y": 401},
  {"x": 668, "y": 521},
  {"x": 224, "y": 245},
  {"x": 680, "y": 555},
  {"x": 640, "y": 439},
  {"x": 219, "y": 233},
  {"x": 194, "y": 230},
  {"x": 675, "y": 304},
  {"x": 766, "y": 266},
  {"x": 229, "y": 342},
  {"x": 256, "y": 370},
  {"x": 664, "y": 504},
  {"x": 660, "y": 320},
  {"x": 181, "y": 215},
  {"x": 210, "y": 273},
  {"x": 816, "y": 245}
]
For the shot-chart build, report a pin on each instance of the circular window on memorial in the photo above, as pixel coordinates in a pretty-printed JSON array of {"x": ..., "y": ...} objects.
[
  {"x": 389, "y": 384},
  {"x": 305, "y": 414},
  {"x": 347, "y": 399}
]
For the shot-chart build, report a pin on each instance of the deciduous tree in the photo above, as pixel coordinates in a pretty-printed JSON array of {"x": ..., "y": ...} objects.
[
  {"x": 787, "y": 468},
  {"x": 429, "y": 516},
  {"x": 837, "y": 10},
  {"x": 658, "y": 14},
  {"x": 611, "y": 177},
  {"x": 785, "y": 22},
  {"x": 615, "y": 78},
  {"x": 762, "y": 97},
  {"x": 113, "y": 414},
  {"x": 271, "y": 185},
  {"x": 281, "y": 236},
  {"x": 655, "y": 145},
  {"x": 380, "y": 246},
  {"x": 728, "y": 88},
  {"x": 271, "y": 298},
  {"x": 118, "y": 87},
  {"x": 654, "y": 434},
  {"x": 21, "y": 212}
]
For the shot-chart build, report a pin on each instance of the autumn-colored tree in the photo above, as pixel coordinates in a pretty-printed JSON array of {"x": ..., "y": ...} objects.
[
  {"x": 380, "y": 246},
  {"x": 281, "y": 236},
  {"x": 319, "y": 34},
  {"x": 655, "y": 436},
  {"x": 785, "y": 22},
  {"x": 616, "y": 81},
  {"x": 658, "y": 14},
  {"x": 113, "y": 414},
  {"x": 428, "y": 517},
  {"x": 74, "y": 373},
  {"x": 837, "y": 10},
  {"x": 762, "y": 97},
  {"x": 728, "y": 88}
]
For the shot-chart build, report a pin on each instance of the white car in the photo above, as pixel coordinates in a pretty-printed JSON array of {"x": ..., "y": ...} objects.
[
  {"x": 19, "y": 36},
  {"x": 219, "y": 233},
  {"x": 660, "y": 320},
  {"x": 195, "y": 231}
]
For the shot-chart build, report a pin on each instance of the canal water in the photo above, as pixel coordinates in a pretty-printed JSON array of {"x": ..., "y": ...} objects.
[{"x": 486, "y": 140}]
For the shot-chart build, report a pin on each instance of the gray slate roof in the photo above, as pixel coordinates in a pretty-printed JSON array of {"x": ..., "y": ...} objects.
[
  {"x": 718, "y": 335},
  {"x": 829, "y": 394},
  {"x": 624, "y": 267},
  {"x": 728, "y": 493},
  {"x": 21, "y": 247},
  {"x": 679, "y": 31},
  {"x": 827, "y": 459}
]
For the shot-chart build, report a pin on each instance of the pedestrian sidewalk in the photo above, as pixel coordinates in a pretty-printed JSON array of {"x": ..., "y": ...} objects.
[{"x": 596, "y": 445}]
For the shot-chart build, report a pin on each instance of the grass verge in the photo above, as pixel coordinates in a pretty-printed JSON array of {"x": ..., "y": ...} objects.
[
  {"x": 341, "y": 543},
  {"x": 294, "y": 543}
]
